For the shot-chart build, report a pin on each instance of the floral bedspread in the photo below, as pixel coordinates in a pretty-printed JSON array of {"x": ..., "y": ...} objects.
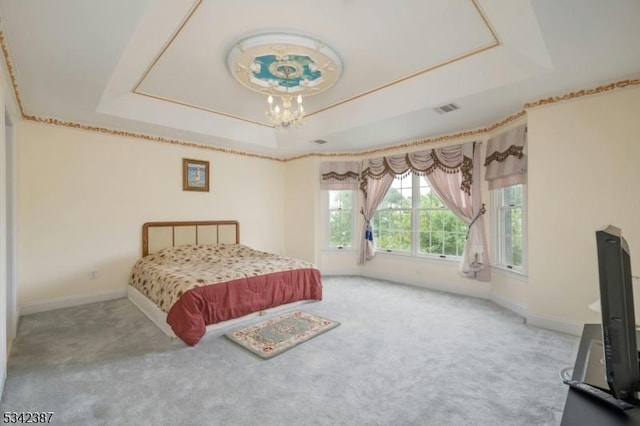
[{"x": 167, "y": 274}]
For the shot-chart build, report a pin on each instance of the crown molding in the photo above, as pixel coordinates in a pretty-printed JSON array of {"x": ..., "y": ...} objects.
[
  {"x": 142, "y": 136},
  {"x": 584, "y": 92},
  {"x": 618, "y": 85}
]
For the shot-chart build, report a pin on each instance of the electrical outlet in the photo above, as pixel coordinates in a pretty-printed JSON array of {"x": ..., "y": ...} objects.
[{"x": 93, "y": 275}]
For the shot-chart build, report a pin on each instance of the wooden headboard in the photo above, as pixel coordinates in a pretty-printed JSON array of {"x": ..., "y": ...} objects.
[{"x": 159, "y": 235}]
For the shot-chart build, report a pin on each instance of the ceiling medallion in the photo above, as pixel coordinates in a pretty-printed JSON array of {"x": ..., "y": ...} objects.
[{"x": 284, "y": 66}]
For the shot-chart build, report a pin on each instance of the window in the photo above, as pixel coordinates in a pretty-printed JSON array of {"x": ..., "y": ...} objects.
[
  {"x": 411, "y": 208},
  {"x": 340, "y": 219},
  {"x": 442, "y": 232},
  {"x": 510, "y": 227},
  {"x": 392, "y": 220}
]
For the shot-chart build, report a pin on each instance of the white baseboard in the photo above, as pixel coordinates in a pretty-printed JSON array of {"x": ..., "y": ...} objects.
[
  {"x": 510, "y": 305},
  {"x": 66, "y": 302},
  {"x": 480, "y": 290},
  {"x": 563, "y": 326}
]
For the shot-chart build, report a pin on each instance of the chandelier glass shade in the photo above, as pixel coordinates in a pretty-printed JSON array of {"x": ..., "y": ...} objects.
[{"x": 285, "y": 68}]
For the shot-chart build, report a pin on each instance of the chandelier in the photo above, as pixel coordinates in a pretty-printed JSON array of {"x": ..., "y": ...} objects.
[
  {"x": 284, "y": 116},
  {"x": 286, "y": 68}
]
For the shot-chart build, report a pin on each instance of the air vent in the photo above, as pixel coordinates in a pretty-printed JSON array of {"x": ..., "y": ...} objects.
[
  {"x": 320, "y": 141},
  {"x": 443, "y": 109}
]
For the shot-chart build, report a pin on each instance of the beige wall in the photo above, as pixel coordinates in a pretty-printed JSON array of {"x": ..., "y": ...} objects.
[
  {"x": 84, "y": 196},
  {"x": 3, "y": 239},
  {"x": 584, "y": 171},
  {"x": 435, "y": 274},
  {"x": 302, "y": 209}
]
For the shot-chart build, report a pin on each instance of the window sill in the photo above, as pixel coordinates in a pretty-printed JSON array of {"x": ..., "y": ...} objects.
[
  {"x": 511, "y": 273},
  {"x": 435, "y": 259},
  {"x": 337, "y": 250}
]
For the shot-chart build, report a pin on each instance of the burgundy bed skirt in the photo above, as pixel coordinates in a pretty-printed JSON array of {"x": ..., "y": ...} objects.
[{"x": 211, "y": 304}]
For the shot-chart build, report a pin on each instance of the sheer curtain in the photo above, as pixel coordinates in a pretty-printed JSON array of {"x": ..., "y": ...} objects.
[
  {"x": 374, "y": 188},
  {"x": 454, "y": 174},
  {"x": 465, "y": 200}
]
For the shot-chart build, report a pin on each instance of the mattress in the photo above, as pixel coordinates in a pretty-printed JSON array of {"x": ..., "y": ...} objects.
[{"x": 201, "y": 285}]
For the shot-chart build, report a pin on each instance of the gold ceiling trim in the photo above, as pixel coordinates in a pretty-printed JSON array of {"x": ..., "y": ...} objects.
[
  {"x": 618, "y": 85},
  {"x": 405, "y": 78},
  {"x": 200, "y": 108},
  {"x": 584, "y": 92},
  {"x": 419, "y": 142},
  {"x": 186, "y": 19},
  {"x": 160, "y": 139},
  {"x": 411, "y": 144},
  {"x": 494, "y": 43},
  {"x": 175, "y": 101},
  {"x": 12, "y": 76},
  {"x": 170, "y": 141}
]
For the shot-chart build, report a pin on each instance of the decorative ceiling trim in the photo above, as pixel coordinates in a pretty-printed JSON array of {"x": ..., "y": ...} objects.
[
  {"x": 419, "y": 142},
  {"x": 136, "y": 90},
  {"x": 618, "y": 85},
  {"x": 12, "y": 76},
  {"x": 224, "y": 114},
  {"x": 170, "y": 141},
  {"x": 494, "y": 43},
  {"x": 175, "y": 34},
  {"x": 407, "y": 77},
  {"x": 142, "y": 136},
  {"x": 186, "y": 19},
  {"x": 584, "y": 92},
  {"x": 284, "y": 64}
]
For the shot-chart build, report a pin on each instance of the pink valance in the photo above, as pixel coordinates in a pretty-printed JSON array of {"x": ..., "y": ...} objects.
[
  {"x": 339, "y": 175},
  {"x": 450, "y": 159},
  {"x": 506, "y": 158}
]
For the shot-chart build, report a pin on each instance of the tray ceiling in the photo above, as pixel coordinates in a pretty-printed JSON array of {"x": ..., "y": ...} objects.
[{"x": 159, "y": 67}]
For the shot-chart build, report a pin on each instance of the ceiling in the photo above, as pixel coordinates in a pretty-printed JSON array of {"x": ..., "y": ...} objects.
[{"x": 158, "y": 67}]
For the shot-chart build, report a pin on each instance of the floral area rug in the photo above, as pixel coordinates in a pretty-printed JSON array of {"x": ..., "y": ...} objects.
[{"x": 276, "y": 335}]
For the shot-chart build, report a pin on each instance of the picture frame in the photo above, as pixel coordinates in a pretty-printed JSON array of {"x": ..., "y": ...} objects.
[{"x": 195, "y": 175}]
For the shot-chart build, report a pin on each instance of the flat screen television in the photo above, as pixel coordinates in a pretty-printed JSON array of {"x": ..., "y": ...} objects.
[{"x": 618, "y": 317}]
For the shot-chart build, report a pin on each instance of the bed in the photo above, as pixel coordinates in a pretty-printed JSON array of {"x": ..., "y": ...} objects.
[{"x": 195, "y": 276}]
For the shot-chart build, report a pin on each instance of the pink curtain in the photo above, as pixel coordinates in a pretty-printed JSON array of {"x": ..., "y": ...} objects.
[
  {"x": 469, "y": 207},
  {"x": 374, "y": 190}
]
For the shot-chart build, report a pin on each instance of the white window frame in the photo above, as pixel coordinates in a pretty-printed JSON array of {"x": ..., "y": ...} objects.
[
  {"x": 498, "y": 258},
  {"x": 415, "y": 231},
  {"x": 326, "y": 216}
]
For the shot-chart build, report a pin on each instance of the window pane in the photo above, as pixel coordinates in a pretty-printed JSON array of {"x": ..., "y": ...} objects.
[
  {"x": 516, "y": 236},
  {"x": 392, "y": 220},
  {"x": 340, "y": 229},
  {"x": 441, "y": 231},
  {"x": 392, "y": 229},
  {"x": 399, "y": 195},
  {"x": 340, "y": 199},
  {"x": 428, "y": 198},
  {"x": 510, "y": 227},
  {"x": 340, "y": 218}
]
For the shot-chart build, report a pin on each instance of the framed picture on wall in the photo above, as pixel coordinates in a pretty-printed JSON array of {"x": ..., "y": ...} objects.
[{"x": 195, "y": 175}]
